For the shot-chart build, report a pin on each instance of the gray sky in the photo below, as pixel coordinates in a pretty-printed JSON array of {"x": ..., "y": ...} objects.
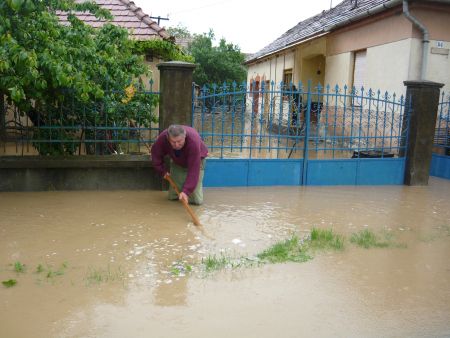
[{"x": 250, "y": 24}]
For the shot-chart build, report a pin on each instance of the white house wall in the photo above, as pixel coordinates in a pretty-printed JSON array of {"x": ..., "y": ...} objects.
[
  {"x": 439, "y": 64},
  {"x": 437, "y": 20},
  {"x": 394, "y": 51},
  {"x": 393, "y": 43},
  {"x": 388, "y": 66},
  {"x": 415, "y": 59},
  {"x": 272, "y": 69},
  {"x": 338, "y": 69}
]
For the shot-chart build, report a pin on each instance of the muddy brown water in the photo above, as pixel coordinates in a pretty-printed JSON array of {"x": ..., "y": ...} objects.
[{"x": 105, "y": 264}]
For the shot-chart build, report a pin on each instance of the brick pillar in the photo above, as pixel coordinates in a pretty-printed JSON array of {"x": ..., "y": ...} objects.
[
  {"x": 175, "y": 93},
  {"x": 424, "y": 99},
  {"x": 175, "y": 98}
]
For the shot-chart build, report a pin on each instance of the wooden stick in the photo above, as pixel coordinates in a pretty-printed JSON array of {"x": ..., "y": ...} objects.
[{"x": 185, "y": 204}]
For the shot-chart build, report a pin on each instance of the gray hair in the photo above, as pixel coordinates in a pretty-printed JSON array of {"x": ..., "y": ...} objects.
[{"x": 176, "y": 130}]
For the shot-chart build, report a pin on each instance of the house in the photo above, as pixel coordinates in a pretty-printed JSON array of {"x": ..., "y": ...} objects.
[
  {"x": 377, "y": 44},
  {"x": 127, "y": 15}
]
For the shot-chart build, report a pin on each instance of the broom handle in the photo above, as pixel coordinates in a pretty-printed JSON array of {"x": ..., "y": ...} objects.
[{"x": 185, "y": 204}]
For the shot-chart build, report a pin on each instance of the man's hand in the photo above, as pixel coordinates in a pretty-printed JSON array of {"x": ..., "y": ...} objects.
[
  {"x": 183, "y": 197},
  {"x": 166, "y": 175}
]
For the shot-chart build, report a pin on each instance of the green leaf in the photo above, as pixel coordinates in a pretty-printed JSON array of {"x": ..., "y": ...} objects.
[
  {"x": 15, "y": 4},
  {"x": 17, "y": 94},
  {"x": 29, "y": 6}
]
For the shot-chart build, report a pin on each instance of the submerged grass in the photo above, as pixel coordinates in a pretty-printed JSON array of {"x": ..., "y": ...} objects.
[
  {"x": 293, "y": 249},
  {"x": 19, "y": 267},
  {"x": 213, "y": 262},
  {"x": 180, "y": 268},
  {"x": 9, "y": 283},
  {"x": 326, "y": 239},
  {"x": 290, "y": 250},
  {"x": 368, "y": 239},
  {"x": 59, "y": 272},
  {"x": 49, "y": 272},
  {"x": 40, "y": 268},
  {"x": 100, "y": 275}
]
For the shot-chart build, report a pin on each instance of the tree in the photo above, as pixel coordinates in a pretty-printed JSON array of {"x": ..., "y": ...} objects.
[
  {"x": 39, "y": 57},
  {"x": 216, "y": 64},
  {"x": 166, "y": 50},
  {"x": 179, "y": 31},
  {"x": 45, "y": 66}
]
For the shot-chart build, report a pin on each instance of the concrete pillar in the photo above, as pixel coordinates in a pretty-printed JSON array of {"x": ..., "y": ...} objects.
[
  {"x": 175, "y": 93},
  {"x": 424, "y": 99}
]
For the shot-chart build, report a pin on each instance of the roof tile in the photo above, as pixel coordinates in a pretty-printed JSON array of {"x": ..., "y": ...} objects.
[
  {"x": 126, "y": 14},
  {"x": 344, "y": 11}
]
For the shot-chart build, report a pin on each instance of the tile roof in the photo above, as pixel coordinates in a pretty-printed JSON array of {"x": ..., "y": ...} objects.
[
  {"x": 184, "y": 42},
  {"x": 346, "y": 12},
  {"x": 126, "y": 14}
]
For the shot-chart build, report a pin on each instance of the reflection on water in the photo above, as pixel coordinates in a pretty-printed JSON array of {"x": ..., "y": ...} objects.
[{"x": 119, "y": 249}]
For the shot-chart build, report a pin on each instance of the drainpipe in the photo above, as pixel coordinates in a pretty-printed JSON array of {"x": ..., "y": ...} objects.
[{"x": 426, "y": 41}]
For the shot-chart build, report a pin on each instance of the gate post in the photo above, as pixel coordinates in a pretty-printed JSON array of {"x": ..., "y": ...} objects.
[
  {"x": 423, "y": 96},
  {"x": 175, "y": 93}
]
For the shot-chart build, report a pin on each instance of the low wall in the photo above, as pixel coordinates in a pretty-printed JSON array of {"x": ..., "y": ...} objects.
[{"x": 36, "y": 173}]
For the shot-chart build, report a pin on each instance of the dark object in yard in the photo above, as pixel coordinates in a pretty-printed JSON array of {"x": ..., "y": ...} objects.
[{"x": 371, "y": 154}]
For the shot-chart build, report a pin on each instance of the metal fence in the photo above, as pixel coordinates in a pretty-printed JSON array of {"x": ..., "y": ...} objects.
[
  {"x": 235, "y": 121},
  {"x": 441, "y": 144},
  {"x": 123, "y": 122},
  {"x": 284, "y": 121}
]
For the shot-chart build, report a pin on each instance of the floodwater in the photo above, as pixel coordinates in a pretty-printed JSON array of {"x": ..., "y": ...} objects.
[{"x": 100, "y": 264}]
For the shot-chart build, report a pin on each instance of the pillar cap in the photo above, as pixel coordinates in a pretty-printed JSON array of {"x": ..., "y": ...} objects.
[
  {"x": 423, "y": 84},
  {"x": 176, "y": 64}
]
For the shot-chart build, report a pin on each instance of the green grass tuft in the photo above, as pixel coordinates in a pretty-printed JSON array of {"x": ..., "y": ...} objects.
[
  {"x": 367, "y": 239},
  {"x": 19, "y": 267},
  {"x": 40, "y": 268},
  {"x": 289, "y": 250},
  {"x": 99, "y": 275},
  {"x": 53, "y": 273},
  {"x": 213, "y": 262},
  {"x": 9, "y": 283},
  {"x": 326, "y": 239}
]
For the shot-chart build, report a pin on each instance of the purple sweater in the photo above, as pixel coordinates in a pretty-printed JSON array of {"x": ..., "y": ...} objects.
[{"x": 190, "y": 156}]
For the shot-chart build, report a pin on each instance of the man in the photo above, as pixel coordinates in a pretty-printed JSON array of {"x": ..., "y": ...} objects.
[{"x": 187, "y": 154}]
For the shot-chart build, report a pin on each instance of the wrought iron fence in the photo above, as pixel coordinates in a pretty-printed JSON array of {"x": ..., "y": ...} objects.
[
  {"x": 123, "y": 122},
  {"x": 441, "y": 142},
  {"x": 289, "y": 121},
  {"x": 235, "y": 120}
]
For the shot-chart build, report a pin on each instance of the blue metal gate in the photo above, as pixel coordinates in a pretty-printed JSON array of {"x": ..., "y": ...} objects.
[
  {"x": 440, "y": 161},
  {"x": 286, "y": 134}
]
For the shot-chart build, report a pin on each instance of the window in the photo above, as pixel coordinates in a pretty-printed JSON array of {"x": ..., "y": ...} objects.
[
  {"x": 359, "y": 74},
  {"x": 287, "y": 77},
  {"x": 287, "y": 80}
]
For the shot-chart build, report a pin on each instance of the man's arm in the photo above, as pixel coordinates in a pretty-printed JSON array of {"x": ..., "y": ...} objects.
[{"x": 158, "y": 156}]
